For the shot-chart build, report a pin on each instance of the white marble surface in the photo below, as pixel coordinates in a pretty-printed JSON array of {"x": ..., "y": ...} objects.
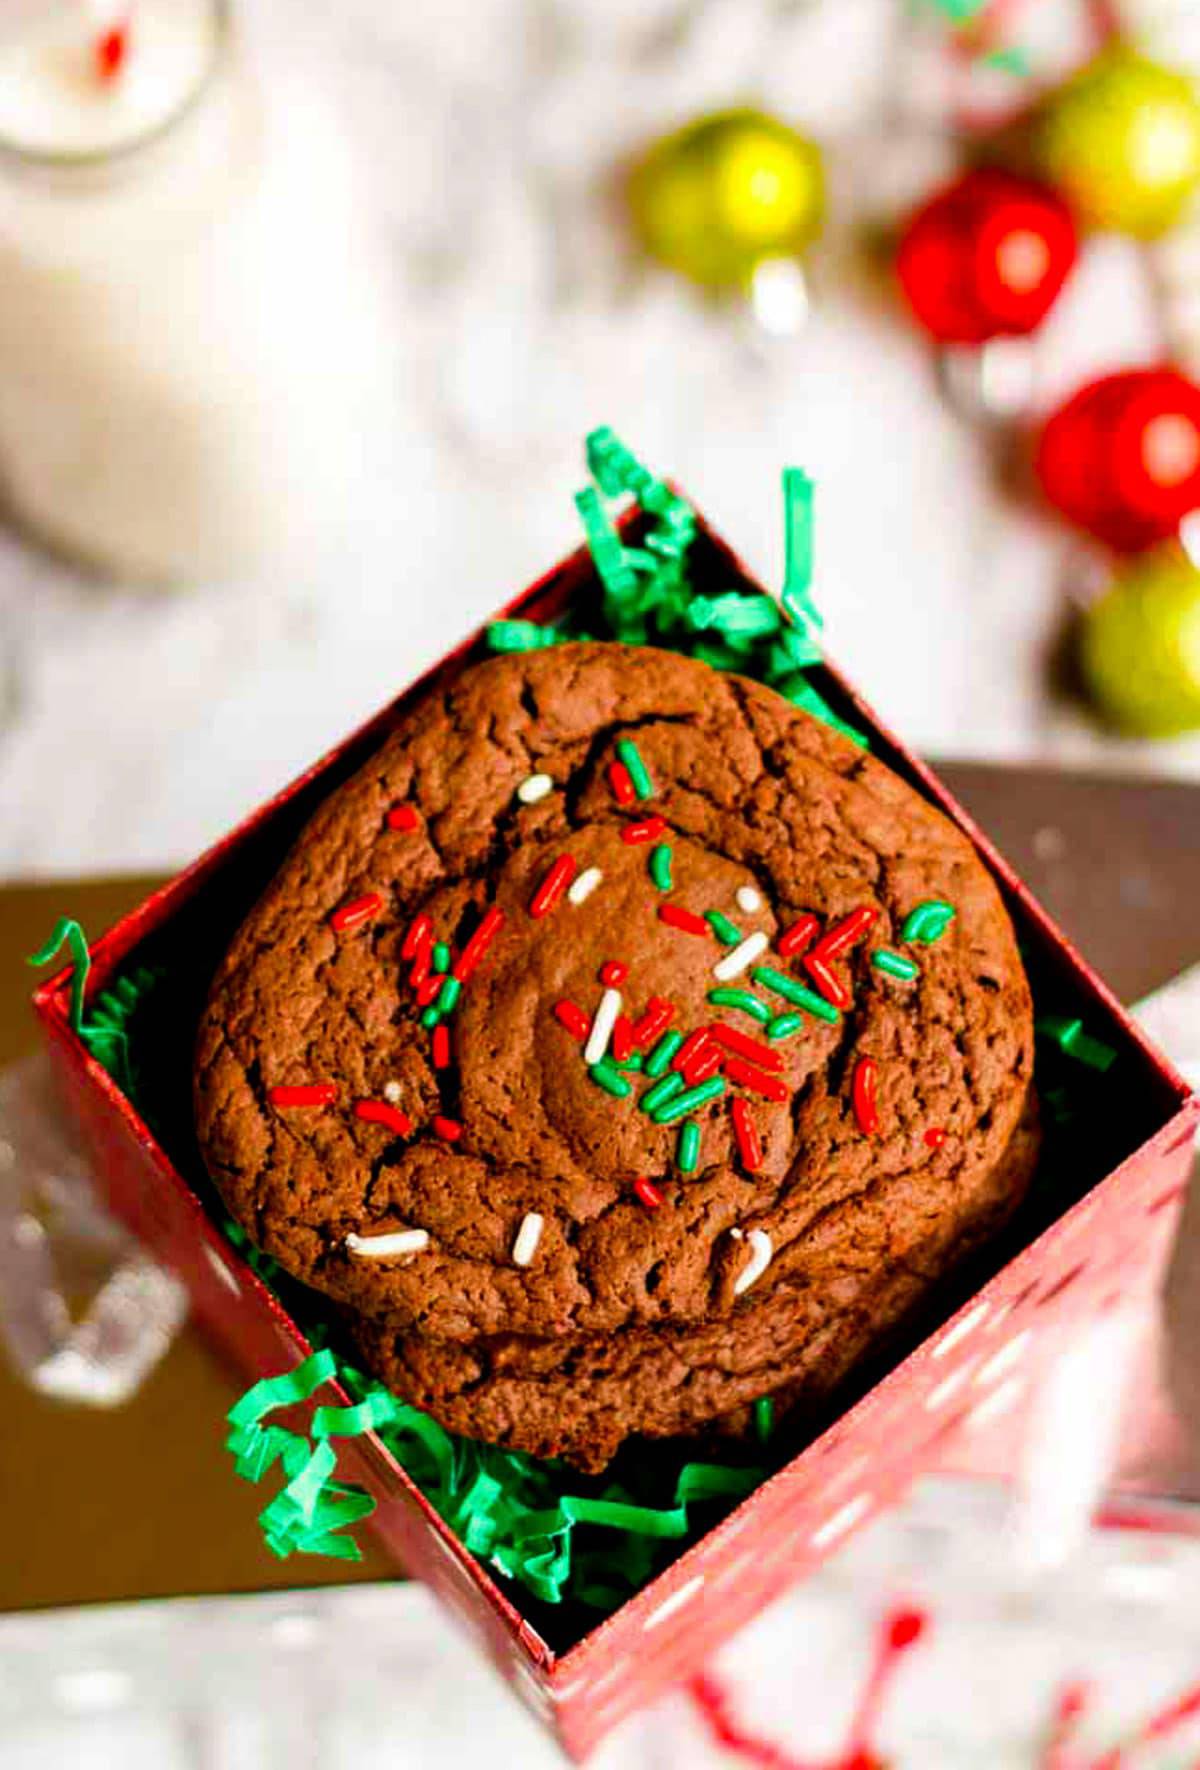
[{"x": 137, "y": 725}]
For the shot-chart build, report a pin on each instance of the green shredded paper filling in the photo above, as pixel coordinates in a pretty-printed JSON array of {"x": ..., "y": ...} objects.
[
  {"x": 647, "y": 595},
  {"x": 560, "y": 1537}
]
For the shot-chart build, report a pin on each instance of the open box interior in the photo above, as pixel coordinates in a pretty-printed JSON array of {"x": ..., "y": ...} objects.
[{"x": 1096, "y": 1122}]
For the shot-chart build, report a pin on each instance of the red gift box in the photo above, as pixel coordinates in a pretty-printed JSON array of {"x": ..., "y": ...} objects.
[{"x": 1103, "y": 1231}]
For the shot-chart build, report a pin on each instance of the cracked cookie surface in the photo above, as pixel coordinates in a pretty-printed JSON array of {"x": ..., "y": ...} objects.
[{"x": 755, "y": 797}]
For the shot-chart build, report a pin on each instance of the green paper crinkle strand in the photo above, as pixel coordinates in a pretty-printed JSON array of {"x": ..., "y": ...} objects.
[
  {"x": 796, "y": 597},
  {"x": 1071, "y": 1039},
  {"x": 522, "y": 636},
  {"x": 67, "y": 932},
  {"x": 647, "y": 594},
  {"x": 505, "y": 1507}
]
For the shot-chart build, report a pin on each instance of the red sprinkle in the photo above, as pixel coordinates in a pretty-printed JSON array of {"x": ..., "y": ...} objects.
[
  {"x": 357, "y": 911},
  {"x": 674, "y": 917},
  {"x": 304, "y": 1094},
  {"x": 422, "y": 965},
  {"x": 441, "y": 1047},
  {"x": 657, "y": 1018},
  {"x": 746, "y": 1133},
  {"x": 705, "y": 1063},
  {"x": 379, "y": 1112},
  {"x": 733, "y": 1040},
  {"x": 111, "y": 50},
  {"x": 935, "y": 1136},
  {"x": 646, "y": 829},
  {"x": 553, "y": 886},
  {"x": 613, "y": 973},
  {"x": 402, "y": 817},
  {"x": 449, "y": 1129},
  {"x": 828, "y": 983},
  {"x": 420, "y": 933},
  {"x": 646, "y": 1190},
  {"x": 429, "y": 989},
  {"x": 691, "y": 1048},
  {"x": 862, "y": 1095},
  {"x": 842, "y": 936},
  {"x": 622, "y": 1039},
  {"x": 490, "y": 924},
  {"x": 746, "y": 1076},
  {"x": 797, "y": 937},
  {"x": 621, "y": 782},
  {"x": 573, "y": 1018}
]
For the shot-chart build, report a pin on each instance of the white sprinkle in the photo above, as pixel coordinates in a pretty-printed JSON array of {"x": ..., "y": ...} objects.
[
  {"x": 602, "y": 1025},
  {"x": 528, "y": 1237},
  {"x": 392, "y": 1092},
  {"x": 382, "y": 1247},
  {"x": 584, "y": 885},
  {"x": 745, "y": 953},
  {"x": 760, "y": 1258},
  {"x": 534, "y": 787},
  {"x": 748, "y": 899}
]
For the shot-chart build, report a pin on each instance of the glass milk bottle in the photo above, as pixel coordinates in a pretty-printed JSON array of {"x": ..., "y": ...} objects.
[{"x": 193, "y": 355}]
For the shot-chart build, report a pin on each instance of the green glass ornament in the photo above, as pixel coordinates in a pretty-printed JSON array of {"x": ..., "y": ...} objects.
[
  {"x": 1140, "y": 646},
  {"x": 718, "y": 197},
  {"x": 1121, "y": 140}
]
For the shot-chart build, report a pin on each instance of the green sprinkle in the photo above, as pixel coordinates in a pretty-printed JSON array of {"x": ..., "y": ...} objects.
[
  {"x": 764, "y": 1418},
  {"x": 663, "y": 1052},
  {"x": 660, "y": 866},
  {"x": 688, "y": 1101},
  {"x": 606, "y": 1075},
  {"x": 441, "y": 956},
  {"x": 743, "y": 999},
  {"x": 722, "y": 927},
  {"x": 1071, "y": 1039},
  {"x": 687, "y": 1150},
  {"x": 629, "y": 754},
  {"x": 448, "y": 995},
  {"x": 893, "y": 964},
  {"x": 791, "y": 991},
  {"x": 430, "y": 1017},
  {"x": 661, "y": 1092},
  {"x": 784, "y": 1025},
  {"x": 634, "y": 1061},
  {"x": 928, "y": 922},
  {"x": 520, "y": 636}
]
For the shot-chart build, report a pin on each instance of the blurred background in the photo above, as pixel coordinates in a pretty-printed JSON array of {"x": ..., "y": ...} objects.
[
  {"x": 293, "y": 392},
  {"x": 305, "y": 309}
]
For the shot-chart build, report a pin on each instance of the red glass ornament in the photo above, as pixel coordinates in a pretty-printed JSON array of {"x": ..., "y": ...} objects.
[
  {"x": 1121, "y": 459},
  {"x": 986, "y": 257}
]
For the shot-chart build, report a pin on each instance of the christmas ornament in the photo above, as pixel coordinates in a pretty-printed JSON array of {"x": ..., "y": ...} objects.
[
  {"x": 1122, "y": 458},
  {"x": 986, "y": 257},
  {"x": 1122, "y": 141},
  {"x": 1140, "y": 646},
  {"x": 718, "y": 198}
]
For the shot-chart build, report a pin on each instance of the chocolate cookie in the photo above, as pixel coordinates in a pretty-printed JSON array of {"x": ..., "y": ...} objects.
[
  {"x": 711, "y": 981},
  {"x": 842, "y": 1291}
]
